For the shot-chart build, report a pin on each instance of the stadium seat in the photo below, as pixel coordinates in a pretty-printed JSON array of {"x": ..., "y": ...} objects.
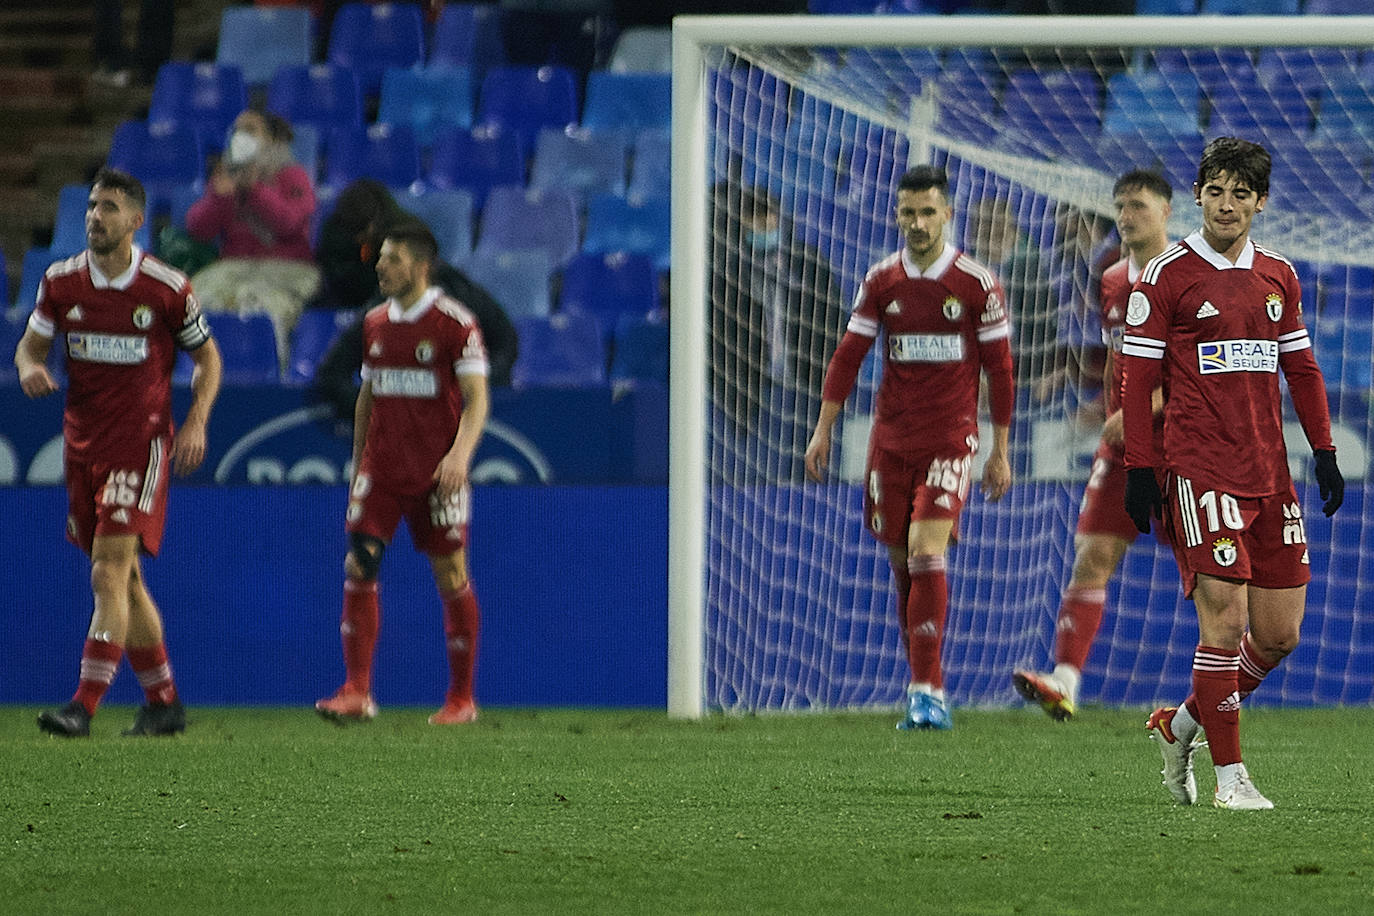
[
  {"x": 207, "y": 96},
  {"x": 1054, "y": 111},
  {"x": 1342, "y": 338},
  {"x": 1249, "y": 8},
  {"x": 630, "y": 101},
  {"x": 607, "y": 286},
  {"x": 643, "y": 49},
  {"x": 467, "y": 36},
  {"x": 314, "y": 333},
  {"x": 1345, "y": 113},
  {"x": 476, "y": 161},
  {"x": 895, "y": 71},
  {"x": 1316, "y": 180},
  {"x": 427, "y": 101},
  {"x": 543, "y": 220},
  {"x": 1151, "y": 104},
  {"x": 634, "y": 226},
  {"x": 248, "y": 346},
  {"x": 259, "y": 40},
  {"x": 324, "y": 96},
  {"x": 305, "y": 148},
  {"x": 1309, "y": 69},
  {"x": 1336, "y": 7},
  {"x": 373, "y": 38},
  {"x": 519, "y": 280},
  {"x": 69, "y": 227},
  {"x": 527, "y": 99},
  {"x": 165, "y": 155},
  {"x": 1246, "y": 108},
  {"x": 966, "y": 100},
  {"x": 560, "y": 351},
  {"x": 580, "y": 160},
  {"x": 449, "y": 215},
  {"x": 388, "y": 153},
  {"x": 641, "y": 350},
  {"x": 1166, "y": 7},
  {"x": 12, "y": 325},
  {"x": 650, "y": 171},
  {"x": 35, "y": 263},
  {"x": 1210, "y": 67}
]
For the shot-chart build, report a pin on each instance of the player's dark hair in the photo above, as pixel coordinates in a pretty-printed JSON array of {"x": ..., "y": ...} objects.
[
  {"x": 1143, "y": 180},
  {"x": 115, "y": 180},
  {"x": 1246, "y": 162},
  {"x": 416, "y": 236},
  {"x": 923, "y": 178}
]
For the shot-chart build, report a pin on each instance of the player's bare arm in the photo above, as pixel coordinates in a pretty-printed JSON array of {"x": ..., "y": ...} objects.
[
  {"x": 30, "y": 358},
  {"x": 189, "y": 443},
  {"x": 452, "y": 473},
  {"x": 362, "y": 417},
  {"x": 818, "y": 449}
]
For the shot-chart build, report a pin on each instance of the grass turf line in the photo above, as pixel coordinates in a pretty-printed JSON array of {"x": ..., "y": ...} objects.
[{"x": 272, "y": 810}]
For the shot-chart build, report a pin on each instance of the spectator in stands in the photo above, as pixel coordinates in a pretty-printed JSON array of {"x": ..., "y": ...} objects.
[
  {"x": 112, "y": 60},
  {"x": 350, "y": 239},
  {"x": 258, "y": 208},
  {"x": 776, "y": 316}
]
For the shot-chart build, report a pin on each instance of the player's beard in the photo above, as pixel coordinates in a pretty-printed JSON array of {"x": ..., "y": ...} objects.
[{"x": 102, "y": 244}]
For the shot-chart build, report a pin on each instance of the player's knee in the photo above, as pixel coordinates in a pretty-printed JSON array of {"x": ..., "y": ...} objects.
[
  {"x": 1274, "y": 647},
  {"x": 109, "y": 577},
  {"x": 364, "y": 560}
]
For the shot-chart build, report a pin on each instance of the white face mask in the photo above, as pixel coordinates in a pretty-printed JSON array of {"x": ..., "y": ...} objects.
[{"x": 242, "y": 147}]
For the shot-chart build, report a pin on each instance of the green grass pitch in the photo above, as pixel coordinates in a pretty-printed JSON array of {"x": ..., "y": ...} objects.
[{"x": 594, "y": 811}]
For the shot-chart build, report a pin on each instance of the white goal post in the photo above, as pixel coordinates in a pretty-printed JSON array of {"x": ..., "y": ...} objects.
[{"x": 768, "y": 518}]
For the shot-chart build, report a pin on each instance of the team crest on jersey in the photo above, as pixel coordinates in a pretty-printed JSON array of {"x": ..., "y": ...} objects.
[
  {"x": 143, "y": 317},
  {"x": 424, "y": 352},
  {"x": 1273, "y": 306},
  {"x": 894, "y": 307},
  {"x": 1224, "y": 551},
  {"x": 953, "y": 309}
]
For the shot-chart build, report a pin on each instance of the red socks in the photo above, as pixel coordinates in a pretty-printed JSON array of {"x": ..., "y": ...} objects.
[
  {"x": 99, "y": 663},
  {"x": 926, "y": 607},
  {"x": 154, "y": 673},
  {"x": 461, "y": 625},
  {"x": 1080, "y": 614},
  {"x": 1252, "y": 671},
  {"x": 358, "y": 629},
  {"x": 1218, "y": 701}
]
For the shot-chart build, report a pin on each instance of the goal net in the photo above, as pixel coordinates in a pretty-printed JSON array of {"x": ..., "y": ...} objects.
[{"x": 779, "y": 598}]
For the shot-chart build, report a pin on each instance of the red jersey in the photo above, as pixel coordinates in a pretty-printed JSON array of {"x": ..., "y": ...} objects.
[
  {"x": 940, "y": 327},
  {"x": 412, "y": 360},
  {"x": 121, "y": 335},
  {"x": 1215, "y": 335},
  {"x": 1113, "y": 290}
]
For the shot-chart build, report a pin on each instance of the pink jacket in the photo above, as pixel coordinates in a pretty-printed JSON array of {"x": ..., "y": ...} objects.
[{"x": 270, "y": 220}]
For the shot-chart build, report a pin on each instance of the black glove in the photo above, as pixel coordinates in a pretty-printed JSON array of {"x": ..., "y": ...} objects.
[
  {"x": 1330, "y": 483},
  {"x": 1143, "y": 498}
]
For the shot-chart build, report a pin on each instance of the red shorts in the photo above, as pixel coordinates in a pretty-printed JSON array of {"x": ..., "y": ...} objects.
[
  {"x": 1103, "y": 510},
  {"x": 1259, "y": 540},
  {"x": 114, "y": 498},
  {"x": 906, "y": 488},
  {"x": 437, "y": 527}
]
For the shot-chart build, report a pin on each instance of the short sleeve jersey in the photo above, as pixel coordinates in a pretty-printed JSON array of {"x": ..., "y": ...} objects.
[
  {"x": 932, "y": 324},
  {"x": 412, "y": 359},
  {"x": 1221, "y": 331},
  {"x": 120, "y": 336},
  {"x": 1113, "y": 291}
]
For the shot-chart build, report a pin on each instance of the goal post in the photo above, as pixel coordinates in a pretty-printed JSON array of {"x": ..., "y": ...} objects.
[{"x": 778, "y": 600}]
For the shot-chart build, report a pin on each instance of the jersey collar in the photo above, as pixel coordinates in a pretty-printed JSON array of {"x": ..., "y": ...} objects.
[
  {"x": 121, "y": 282},
  {"x": 395, "y": 313},
  {"x": 1216, "y": 258},
  {"x": 936, "y": 270}
]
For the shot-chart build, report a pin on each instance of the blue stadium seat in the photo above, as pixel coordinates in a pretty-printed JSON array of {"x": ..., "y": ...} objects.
[
  {"x": 305, "y": 148},
  {"x": 427, "y": 101},
  {"x": 527, "y": 99},
  {"x": 476, "y": 161},
  {"x": 519, "y": 280},
  {"x": 634, "y": 226},
  {"x": 1345, "y": 112},
  {"x": 69, "y": 227},
  {"x": 373, "y": 38},
  {"x": 1151, "y": 103},
  {"x": 1309, "y": 69},
  {"x": 388, "y": 153},
  {"x": 1054, "y": 111},
  {"x": 1315, "y": 180},
  {"x": 1342, "y": 336},
  {"x": 248, "y": 346},
  {"x": 1274, "y": 113},
  {"x": 1166, "y": 7},
  {"x": 543, "y": 220},
  {"x": 966, "y": 99},
  {"x": 314, "y": 333},
  {"x": 643, "y": 49},
  {"x": 324, "y": 96},
  {"x": 1249, "y": 8},
  {"x": 35, "y": 263},
  {"x": 468, "y": 36},
  {"x": 641, "y": 350},
  {"x": 165, "y": 155},
  {"x": 12, "y": 325},
  {"x": 607, "y": 286},
  {"x": 261, "y": 39},
  {"x": 650, "y": 165},
  {"x": 1336, "y": 7},
  {"x": 207, "y": 96},
  {"x": 449, "y": 215},
  {"x": 630, "y": 101},
  {"x": 560, "y": 351},
  {"x": 586, "y": 162},
  {"x": 1211, "y": 67}
]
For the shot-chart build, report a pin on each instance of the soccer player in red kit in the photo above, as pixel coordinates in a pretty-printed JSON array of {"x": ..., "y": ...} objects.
[
  {"x": 121, "y": 315},
  {"x": 1142, "y": 202},
  {"x": 419, "y": 416},
  {"x": 1214, "y": 319},
  {"x": 943, "y": 319}
]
